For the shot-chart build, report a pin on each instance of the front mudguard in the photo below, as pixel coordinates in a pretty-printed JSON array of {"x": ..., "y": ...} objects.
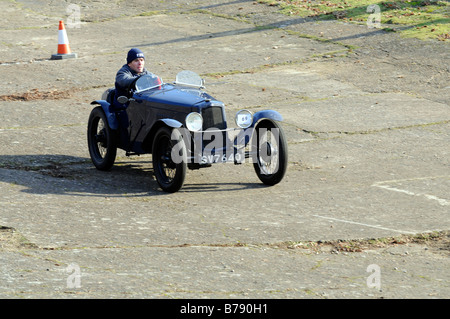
[
  {"x": 259, "y": 118},
  {"x": 266, "y": 114},
  {"x": 245, "y": 135},
  {"x": 111, "y": 117}
]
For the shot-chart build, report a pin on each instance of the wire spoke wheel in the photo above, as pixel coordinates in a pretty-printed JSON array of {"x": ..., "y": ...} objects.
[
  {"x": 268, "y": 153},
  {"x": 169, "y": 159},
  {"x": 102, "y": 141},
  {"x": 271, "y": 153}
]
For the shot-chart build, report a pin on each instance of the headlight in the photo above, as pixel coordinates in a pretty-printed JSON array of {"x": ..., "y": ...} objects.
[
  {"x": 244, "y": 118},
  {"x": 194, "y": 121}
]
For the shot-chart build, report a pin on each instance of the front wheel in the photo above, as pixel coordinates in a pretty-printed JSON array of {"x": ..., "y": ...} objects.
[
  {"x": 169, "y": 159},
  {"x": 271, "y": 153},
  {"x": 102, "y": 141}
]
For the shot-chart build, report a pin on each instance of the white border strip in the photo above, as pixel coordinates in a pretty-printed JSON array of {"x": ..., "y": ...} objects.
[
  {"x": 384, "y": 185},
  {"x": 366, "y": 225}
]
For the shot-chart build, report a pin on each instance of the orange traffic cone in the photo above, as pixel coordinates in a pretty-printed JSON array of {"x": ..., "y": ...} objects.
[{"x": 63, "y": 45}]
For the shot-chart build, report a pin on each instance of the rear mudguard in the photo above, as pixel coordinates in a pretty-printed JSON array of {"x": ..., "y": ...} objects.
[
  {"x": 111, "y": 117},
  {"x": 266, "y": 114}
]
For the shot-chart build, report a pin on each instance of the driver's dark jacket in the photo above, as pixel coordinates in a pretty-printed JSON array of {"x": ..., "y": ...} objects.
[{"x": 124, "y": 78}]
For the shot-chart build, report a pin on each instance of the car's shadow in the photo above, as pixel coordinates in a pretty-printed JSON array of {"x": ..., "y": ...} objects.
[{"x": 71, "y": 175}]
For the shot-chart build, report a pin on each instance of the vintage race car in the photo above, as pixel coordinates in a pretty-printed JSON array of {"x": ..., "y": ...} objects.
[{"x": 183, "y": 128}]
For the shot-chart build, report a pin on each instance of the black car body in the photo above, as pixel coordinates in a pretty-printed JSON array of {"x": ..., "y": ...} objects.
[{"x": 183, "y": 127}]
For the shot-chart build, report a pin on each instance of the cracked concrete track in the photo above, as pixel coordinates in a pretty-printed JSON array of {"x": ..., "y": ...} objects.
[{"x": 367, "y": 119}]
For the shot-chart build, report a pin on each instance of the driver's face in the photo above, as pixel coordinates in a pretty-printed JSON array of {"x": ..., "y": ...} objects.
[{"x": 137, "y": 65}]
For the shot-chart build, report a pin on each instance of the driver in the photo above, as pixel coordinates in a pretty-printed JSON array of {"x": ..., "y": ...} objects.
[{"x": 128, "y": 73}]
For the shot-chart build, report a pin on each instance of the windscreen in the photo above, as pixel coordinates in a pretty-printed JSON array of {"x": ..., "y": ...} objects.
[
  {"x": 189, "y": 78},
  {"x": 148, "y": 81}
]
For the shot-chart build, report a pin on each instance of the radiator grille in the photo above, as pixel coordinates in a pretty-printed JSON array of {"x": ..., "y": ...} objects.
[{"x": 213, "y": 118}]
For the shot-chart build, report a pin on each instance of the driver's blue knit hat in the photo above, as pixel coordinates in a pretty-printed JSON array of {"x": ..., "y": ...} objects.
[{"x": 134, "y": 54}]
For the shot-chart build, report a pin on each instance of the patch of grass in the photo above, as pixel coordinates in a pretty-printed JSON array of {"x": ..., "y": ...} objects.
[
  {"x": 151, "y": 13},
  {"x": 35, "y": 94},
  {"x": 423, "y": 19},
  {"x": 440, "y": 239},
  {"x": 10, "y": 240}
]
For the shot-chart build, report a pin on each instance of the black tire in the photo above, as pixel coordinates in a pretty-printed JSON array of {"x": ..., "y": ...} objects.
[
  {"x": 102, "y": 141},
  {"x": 271, "y": 159},
  {"x": 170, "y": 172}
]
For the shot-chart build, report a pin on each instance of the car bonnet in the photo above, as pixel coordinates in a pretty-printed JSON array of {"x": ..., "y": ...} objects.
[{"x": 172, "y": 95}]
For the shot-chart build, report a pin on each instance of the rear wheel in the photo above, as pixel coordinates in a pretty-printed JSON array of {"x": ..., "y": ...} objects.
[
  {"x": 102, "y": 141},
  {"x": 169, "y": 159},
  {"x": 271, "y": 153}
]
